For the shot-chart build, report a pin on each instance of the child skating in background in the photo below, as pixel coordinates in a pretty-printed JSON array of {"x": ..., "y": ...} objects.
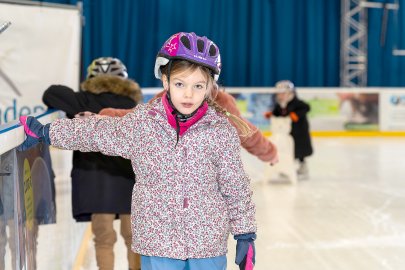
[
  {"x": 288, "y": 104},
  {"x": 191, "y": 190},
  {"x": 256, "y": 143}
]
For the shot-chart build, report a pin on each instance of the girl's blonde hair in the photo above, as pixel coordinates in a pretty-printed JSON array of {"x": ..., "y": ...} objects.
[
  {"x": 179, "y": 66},
  {"x": 244, "y": 129}
]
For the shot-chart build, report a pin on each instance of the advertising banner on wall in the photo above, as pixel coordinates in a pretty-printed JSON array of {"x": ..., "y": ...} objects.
[
  {"x": 27, "y": 195},
  {"x": 331, "y": 110},
  {"x": 40, "y": 47},
  {"x": 36, "y": 175},
  {"x": 8, "y": 224},
  {"x": 343, "y": 110},
  {"x": 36, "y": 194},
  {"x": 392, "y": 107}
]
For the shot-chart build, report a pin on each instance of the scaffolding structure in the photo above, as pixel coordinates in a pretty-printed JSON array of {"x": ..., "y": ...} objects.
[{"x": 353, "y": 47}]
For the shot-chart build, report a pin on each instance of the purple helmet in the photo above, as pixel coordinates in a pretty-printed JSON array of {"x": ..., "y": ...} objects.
[{"x": 190, "y": 47}]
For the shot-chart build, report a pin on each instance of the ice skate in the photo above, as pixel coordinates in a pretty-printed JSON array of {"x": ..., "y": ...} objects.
[{"x": 302, "y": 171}]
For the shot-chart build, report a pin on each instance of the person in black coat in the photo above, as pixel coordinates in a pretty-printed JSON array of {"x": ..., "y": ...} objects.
[
  {"x": 288, "y": 104},
  {"x": 101, "y": 185}
]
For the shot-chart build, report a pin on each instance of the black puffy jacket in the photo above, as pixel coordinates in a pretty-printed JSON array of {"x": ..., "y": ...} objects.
[
  {"x": 100, "y": 184},
  {"x": 300, "y": 128}
]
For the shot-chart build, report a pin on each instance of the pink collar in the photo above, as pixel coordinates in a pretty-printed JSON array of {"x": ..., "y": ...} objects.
[{"x": 183, "y": 125}]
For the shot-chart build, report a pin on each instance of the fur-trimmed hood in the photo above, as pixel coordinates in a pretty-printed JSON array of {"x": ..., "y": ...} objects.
[{"x": 113, "y": 84}]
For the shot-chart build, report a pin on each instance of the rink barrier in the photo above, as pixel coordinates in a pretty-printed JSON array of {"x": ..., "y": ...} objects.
[
  {"x": 26, "y": 191},
  {"x": 12, "y": 134},
  {"x": 325, "y": 118}
]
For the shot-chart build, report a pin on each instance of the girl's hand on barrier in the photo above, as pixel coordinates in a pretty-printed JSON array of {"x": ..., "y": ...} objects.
[{"x": 35, "y": 132}]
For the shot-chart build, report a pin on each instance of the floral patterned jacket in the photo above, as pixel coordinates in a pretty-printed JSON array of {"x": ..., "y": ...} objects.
[{"x": 187, "y": 197}]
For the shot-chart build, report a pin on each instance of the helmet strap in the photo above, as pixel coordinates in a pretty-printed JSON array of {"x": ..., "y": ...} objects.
[{"x": 169, "y": 69}]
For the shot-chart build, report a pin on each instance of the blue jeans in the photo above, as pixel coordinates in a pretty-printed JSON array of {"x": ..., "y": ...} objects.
[{"x": 161, "y": 263}]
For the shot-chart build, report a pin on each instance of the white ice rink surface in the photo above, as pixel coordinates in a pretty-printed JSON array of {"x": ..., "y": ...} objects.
[{"x": 349, "y": 214}]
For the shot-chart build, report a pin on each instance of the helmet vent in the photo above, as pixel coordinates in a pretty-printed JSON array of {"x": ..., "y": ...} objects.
[
  {"x": 186, "y": 42},
  {"x": 200, "y": 45},
  {"x": 213, "y": 50}
]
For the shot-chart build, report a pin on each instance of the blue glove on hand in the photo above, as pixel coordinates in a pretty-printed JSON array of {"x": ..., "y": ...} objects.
[
  {"x": 245, "y": 251},
  {"x": 35, "y": 131}
]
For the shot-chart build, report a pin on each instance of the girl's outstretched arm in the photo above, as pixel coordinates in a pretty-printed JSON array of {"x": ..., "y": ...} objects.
[{"x": 109, "y": 135}]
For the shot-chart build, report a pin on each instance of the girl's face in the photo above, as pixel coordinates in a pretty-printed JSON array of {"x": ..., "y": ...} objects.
[{"x": 187, "y": 90}]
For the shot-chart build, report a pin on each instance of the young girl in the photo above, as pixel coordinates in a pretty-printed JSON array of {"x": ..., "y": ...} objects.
[{"x": 191, "y": 190}]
